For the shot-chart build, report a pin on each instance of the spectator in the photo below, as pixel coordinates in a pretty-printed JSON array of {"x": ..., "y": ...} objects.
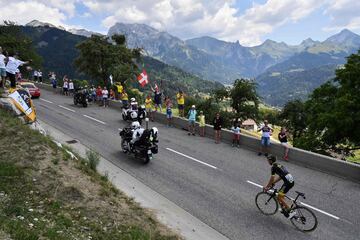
[
  {"x": 65, "y": 86},
  {"x": 202, "y": 124},
  {"x": 217, "y": 122},
  {"x": 99, "y": 95},
  {"x": 3, "y": 60},
  {"x": 112, "y": 94},
  {"x": 157, "y": 98},
  {"x": 265, "y": 138},
  {"x": 52, "y": 77},
  {"x": 12, "y": 68},
  {"x": 124, "y": 98},
  {"x": 36, "y": 75},
  {"x": 181, "y": 102},
  {"x": 105, "y": 97},
  {"x": 119, "y": 89},
  {"x": 283, "y": 140},
  {"x": 236, "y": 134},
  {"x": 148, "y": 107},
  {"x": 168, "y": 104},
  {"x": 71, "y": 87},
  {"x": 93, "y": 93},
  {"x": 192, "y": 118},
  {"x": 39, "y": 72}
]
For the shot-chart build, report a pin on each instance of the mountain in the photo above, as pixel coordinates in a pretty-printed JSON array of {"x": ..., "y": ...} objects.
[
  {"x": 58, "y": 50},
  {"x": 36, "y": 23},
  {"x": 83, "y": 32}
]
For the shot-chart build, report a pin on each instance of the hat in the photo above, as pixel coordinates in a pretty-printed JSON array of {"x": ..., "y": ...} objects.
[{"x": 193, "y": 106}]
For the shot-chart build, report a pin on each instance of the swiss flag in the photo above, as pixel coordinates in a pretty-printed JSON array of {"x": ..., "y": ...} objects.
[{"x": 143, "y": 78}]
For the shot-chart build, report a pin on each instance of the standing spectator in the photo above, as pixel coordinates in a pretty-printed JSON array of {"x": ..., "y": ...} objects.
[
  {"x": 119, "y": 89},
  {"x": 36, "y": 75},
  {"x": 12, "y": 68},
  {"x": 3, "y": 60},
  {"x": 65, "y": 85},
  {"x": 168, "y": 104},
  {"x": 99, "y": 95},
  {"x": 217, "y": 122},
  {"x": 53, "y": 81},
  {"x": 157, "y": 98},
  {"x": 192, "y": 118},
  {"x": 236, "y": 134},
  {"x": 93, "y": 94},
  {"x": 39, "y": 72},
  {"x": 148, "y": 107},
  {"x": 71, "y": 87},
  {"x": 105, "y": 97},
  {"x": 265, "y": 138},
  {"x": 202, "y": 124},
  {"x": 124, "y": 98},
  {"x": 181, "y": 102},
  {"x": 284, "y": 142},
  {"x": 112, "y": 94}
]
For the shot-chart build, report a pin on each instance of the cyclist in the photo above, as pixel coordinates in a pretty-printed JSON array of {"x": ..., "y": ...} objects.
[{"x": 282, "y": 174}]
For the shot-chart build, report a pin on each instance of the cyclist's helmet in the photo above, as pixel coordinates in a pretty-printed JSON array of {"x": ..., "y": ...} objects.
[
  {"x": 271, "y": 158},
  {"x": 135, "y": 125}
]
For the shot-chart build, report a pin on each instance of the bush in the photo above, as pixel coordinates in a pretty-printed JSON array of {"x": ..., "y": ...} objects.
[{"x": 93, "y": 159}]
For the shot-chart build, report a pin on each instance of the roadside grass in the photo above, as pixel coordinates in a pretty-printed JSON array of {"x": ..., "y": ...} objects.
[
  {"x": 355, "y": 158},
  {"x": 45, "y": 194}
]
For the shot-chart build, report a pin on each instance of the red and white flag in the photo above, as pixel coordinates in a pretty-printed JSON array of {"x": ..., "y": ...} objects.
[{"x": 143, "y": 78}]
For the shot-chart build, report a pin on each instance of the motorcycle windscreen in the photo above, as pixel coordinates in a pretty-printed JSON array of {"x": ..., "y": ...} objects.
[{"x": 23, "y": 102}]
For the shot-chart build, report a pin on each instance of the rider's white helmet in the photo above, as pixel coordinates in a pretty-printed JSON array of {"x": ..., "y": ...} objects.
[
  {"x": 133, "y": 115},
  {"x": 132, "y": 99},
  {"x": 154, "y": 131},
  {"x": 135, "y": 125}
]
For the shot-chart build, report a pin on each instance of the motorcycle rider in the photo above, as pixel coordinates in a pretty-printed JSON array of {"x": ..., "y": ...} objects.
[
  {"x": 133, "y": 104},
  {"x": 137, "y": 133}
]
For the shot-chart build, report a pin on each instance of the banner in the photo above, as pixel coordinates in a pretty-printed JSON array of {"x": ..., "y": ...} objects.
[{"x": 22, "y": 101}]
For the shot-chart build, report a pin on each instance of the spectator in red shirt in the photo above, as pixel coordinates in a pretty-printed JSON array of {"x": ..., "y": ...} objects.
[{"x": 99, "y": 94}]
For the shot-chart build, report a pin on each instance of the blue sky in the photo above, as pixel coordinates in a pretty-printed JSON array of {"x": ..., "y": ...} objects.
[{"x": 249, "y": 21}]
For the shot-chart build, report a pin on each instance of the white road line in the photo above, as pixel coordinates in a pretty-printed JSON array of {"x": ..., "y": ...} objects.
[
  {"x": 302, "y": 203},
  {"x": 194, "y": 159},
  {"x": 45, "y": 100},
  {"x": 94, "y": 119},
  {"x": 66, "y": 108}
]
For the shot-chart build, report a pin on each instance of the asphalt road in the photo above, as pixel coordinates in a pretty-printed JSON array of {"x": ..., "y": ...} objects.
[{"x": 215, "y": 183}]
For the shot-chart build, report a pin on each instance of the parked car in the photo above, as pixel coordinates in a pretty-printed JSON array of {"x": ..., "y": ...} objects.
[{"x": 33, "y": 90}]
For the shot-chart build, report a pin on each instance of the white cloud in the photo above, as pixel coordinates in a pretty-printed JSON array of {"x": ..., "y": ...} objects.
[
  {"x": 343, "y": 14},
  {"x": 218, "y": 18}
]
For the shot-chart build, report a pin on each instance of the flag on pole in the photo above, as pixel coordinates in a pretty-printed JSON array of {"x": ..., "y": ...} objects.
[
  {"x": 111, "y": 79},
  {"x": 143, "y": 78}
]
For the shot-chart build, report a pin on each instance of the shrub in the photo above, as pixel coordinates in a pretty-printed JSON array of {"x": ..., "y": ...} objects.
[{"x": 93, "y": 159}]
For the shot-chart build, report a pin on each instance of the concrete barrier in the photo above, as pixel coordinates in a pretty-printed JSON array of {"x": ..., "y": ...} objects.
[{"x": 297, "y": 156}]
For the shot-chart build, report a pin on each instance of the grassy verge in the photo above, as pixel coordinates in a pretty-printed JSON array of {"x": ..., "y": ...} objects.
[{"x": 44, "y": 194}]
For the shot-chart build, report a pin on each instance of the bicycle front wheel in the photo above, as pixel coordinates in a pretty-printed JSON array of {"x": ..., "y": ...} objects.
[
  {"x": 266, "y": 203},
  {"x": 304, "y": 220}
]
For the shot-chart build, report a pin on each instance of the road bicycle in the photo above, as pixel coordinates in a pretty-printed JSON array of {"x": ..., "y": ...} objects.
[{"x": 304, "y": 219}]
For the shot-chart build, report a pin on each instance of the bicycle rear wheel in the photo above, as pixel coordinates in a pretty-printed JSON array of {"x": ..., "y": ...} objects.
[
  {"x": 304, "y": 220},
  {"x": 266, "y": 203}
]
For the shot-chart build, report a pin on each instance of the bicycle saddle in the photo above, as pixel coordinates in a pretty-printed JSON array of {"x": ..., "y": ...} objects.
[{"x": 300, "y": 193}]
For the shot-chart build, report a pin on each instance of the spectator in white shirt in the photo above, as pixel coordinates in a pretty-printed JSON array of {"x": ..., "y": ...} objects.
[
  {"x": 3, "y": 58},
  {"x": 36, "y": 76},
  {"x": 105, "y": 96},
  {"x": 71, "y": 87},
  {"x": 12, "y": 68},
  {"x": 40, "y": 75}
]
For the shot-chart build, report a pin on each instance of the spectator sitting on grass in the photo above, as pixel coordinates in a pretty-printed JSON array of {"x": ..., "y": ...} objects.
[
  {"x": 168, "y": 105},
  {"x": 192, "y": 119},
  {"x": 283, "y": 140},
  {"x": 236, "y": 134},
  {"x": 265, "y": 138},
  {"x": 202, "y": 124}
]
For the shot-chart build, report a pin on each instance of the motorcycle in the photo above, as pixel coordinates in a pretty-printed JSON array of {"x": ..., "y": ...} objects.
[
  {"x": 129, "y": 114},
  {"x": 144, "y": 148},
  {"x": 81, "y": 96}
]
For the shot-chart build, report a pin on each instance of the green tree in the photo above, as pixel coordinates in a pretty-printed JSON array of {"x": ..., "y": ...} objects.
[
  {"x": 244, "y": 99},
  {"x": 99, "y": 58}
]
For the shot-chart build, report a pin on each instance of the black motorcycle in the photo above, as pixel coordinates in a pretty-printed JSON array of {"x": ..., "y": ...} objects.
[
  {"x": 144, "y": 148},
  {"x": 129, "y": 114},
  {"x": 81, "y": 96}
]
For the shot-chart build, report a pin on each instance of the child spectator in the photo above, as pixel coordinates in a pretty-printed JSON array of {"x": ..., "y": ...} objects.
[
  {"x": 283, "y": 140},
  {"x": 265, "y": 138},
  {"x": 217, "y": 122},
  {"x": 148, "y": 107},
  {"x": 236, "y": 135},
  {"x": 202, "y": 124},
  {"x": 192, "y": 118},
  {"x": 168, "y": 105}
]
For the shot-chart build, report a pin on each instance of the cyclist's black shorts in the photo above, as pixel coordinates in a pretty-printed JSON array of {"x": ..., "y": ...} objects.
[{"x": 286, "y": 187}]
